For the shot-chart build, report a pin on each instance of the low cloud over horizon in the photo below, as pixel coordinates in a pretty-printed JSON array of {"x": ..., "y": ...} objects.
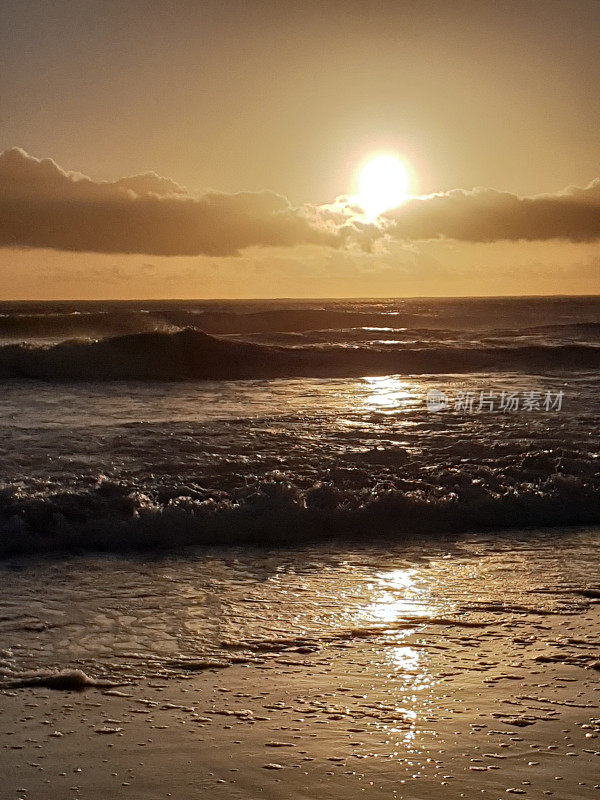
[
  {"x": 487, "y": 215},
  {"x": 44, "y": 206}
]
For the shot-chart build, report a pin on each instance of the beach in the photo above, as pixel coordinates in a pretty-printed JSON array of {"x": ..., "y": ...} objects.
[
  {"x": 348, "y": 721},
  {"x": 454, "y": 679}
]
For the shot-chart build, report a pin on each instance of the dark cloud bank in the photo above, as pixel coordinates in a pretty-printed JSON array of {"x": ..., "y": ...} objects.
[
  {"x": 485, "y": 215},
  {"x": 41, "y": 205}
]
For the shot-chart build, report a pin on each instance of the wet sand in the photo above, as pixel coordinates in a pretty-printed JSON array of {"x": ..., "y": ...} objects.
[{"x": 501, "y": 704}]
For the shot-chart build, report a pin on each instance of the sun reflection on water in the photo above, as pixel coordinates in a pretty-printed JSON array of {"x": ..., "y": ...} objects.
[
  {"x": 407, "y": 658},
  {"x": 390, "y": 394},
  {"x": 396, "y": 596}
]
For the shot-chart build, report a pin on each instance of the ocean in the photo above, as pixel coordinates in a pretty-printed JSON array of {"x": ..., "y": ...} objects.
[
  {"x": 152, "y": 424},
  {"x": 185, "y": 480}
]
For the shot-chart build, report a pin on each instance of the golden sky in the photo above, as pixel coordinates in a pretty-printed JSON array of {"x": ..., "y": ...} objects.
[{"x": 214, "y": 150}]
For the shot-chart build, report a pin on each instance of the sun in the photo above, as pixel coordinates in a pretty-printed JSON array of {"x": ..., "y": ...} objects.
[{"x": 383, "y": 184}]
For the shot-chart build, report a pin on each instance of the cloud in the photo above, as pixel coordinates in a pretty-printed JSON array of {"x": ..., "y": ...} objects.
[
  {"x": 41, "y": 205},
  {"x": 486, "y": 215}
]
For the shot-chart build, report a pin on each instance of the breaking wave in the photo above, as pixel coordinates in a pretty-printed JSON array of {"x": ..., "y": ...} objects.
[
  {"x": 111, "y": 517},
  {"x": 193, "y": 355}
]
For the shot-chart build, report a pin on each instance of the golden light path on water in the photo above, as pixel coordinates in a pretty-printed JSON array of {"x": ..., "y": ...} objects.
[
  {"x": 396, "y": 596},
  {"x": 391, "y": 394}
]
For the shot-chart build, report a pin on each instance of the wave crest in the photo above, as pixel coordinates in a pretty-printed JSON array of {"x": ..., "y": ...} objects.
[
  {"x": 112, "y": 518},
  {"x": 193, "y": 355}
]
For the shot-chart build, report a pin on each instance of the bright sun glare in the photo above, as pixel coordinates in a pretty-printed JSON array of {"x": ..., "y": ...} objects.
[{"x": 383, "y": 184}]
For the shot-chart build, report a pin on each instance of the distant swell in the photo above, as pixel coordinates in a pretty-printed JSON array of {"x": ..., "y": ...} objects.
[
  {"x": 78, "y": 324},
  {"x": 60, "y": 324},
  {"x": 574, "y": 328},
  {"x": 103, "y": 323},
  {"x": 193, "y": 355}
]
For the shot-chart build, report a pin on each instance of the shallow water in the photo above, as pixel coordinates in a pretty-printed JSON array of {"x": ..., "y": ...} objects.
[{"x": 139, "y": 617}]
